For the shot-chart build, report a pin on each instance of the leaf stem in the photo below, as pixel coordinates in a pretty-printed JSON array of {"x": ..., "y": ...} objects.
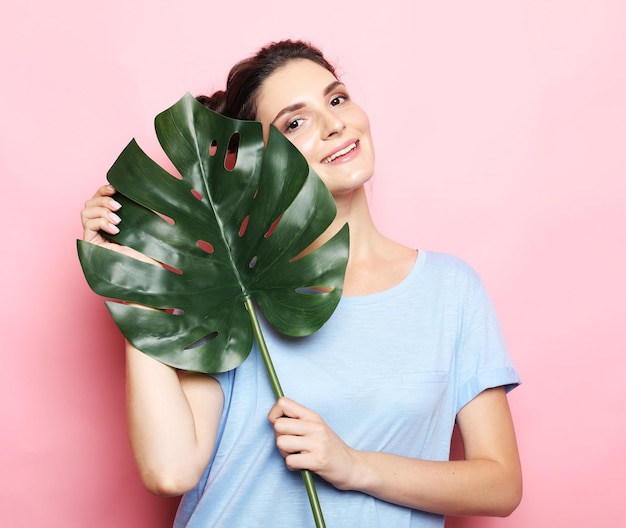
[
  {"x": 258, "y": 333},
  {"x": 309, "y": 484}
]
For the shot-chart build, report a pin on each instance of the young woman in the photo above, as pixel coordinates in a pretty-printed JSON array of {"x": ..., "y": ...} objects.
[{"x": 413, "y": 348}]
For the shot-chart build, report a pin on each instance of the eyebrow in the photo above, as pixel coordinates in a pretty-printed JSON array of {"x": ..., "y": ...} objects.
[{"x": 296, "y": 106}]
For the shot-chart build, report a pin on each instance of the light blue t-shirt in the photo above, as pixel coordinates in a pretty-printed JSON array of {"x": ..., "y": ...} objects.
[{"x": 388, "y": 372}]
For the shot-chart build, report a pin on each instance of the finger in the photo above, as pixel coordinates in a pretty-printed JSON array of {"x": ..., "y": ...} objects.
[
  {"x": 94, "y": 226},
  {"x": 105, "y": 190},
  {"x": 298, "y": 427},
  {"x": 287, "y": 407},
  {"x": 288, "y": 444},
  {"x": 100, "y": 218},
  {"x": 98, "y": 204},
  {"x": 92, "y": 212},
  {"x": 102, "y": 198},
  {"x": 299, "y": 460}
]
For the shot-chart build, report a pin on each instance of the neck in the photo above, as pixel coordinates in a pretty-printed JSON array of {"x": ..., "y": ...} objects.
[
  {"x": 364, "y": 236},
  {"x": 353, "y": 209},
  {"x": 375, "y": 262}
]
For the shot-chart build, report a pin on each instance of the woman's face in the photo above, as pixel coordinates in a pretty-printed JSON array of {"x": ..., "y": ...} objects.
[{"x": 314, "y": 111}]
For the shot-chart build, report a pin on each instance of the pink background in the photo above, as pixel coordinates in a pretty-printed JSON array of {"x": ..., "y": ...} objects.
[{"x": 501, "y": 137}]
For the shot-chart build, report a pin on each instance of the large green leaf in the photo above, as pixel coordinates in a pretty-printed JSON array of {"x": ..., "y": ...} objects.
[{"x": 229, "y": 231}]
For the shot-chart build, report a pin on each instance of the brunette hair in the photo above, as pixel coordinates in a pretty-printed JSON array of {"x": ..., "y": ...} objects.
[{"x": 239, "y": 98}]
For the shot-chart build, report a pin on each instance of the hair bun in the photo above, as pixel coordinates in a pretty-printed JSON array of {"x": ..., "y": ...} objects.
[{"x": 215, "y": 102}]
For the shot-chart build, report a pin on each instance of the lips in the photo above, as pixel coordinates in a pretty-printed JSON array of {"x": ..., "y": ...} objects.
[{"x": 341, "y": 152}]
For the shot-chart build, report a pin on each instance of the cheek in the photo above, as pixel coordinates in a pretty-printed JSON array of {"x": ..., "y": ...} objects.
[{"x": 364, "y": 122}]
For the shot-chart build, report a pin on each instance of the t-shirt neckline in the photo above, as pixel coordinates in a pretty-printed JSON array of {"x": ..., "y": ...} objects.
[{"x": 389, "y": 292}]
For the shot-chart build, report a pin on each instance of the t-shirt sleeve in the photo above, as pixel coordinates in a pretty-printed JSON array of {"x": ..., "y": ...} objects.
[{"x": 482, "y": 355}]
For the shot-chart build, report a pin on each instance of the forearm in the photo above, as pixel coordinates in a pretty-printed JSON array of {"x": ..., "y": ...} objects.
[
  {"x": 487, "y": 482},
  {"x": 171, "y": 451},
  {"x": 468, "y": 487}
]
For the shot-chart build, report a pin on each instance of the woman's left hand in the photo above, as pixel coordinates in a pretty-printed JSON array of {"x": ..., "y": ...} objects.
[
  {"x": 306, "y": 442},
  {"x": 488, "y": 482}
]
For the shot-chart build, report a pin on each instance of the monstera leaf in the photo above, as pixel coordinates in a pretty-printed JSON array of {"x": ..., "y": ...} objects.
[{"x": 232, "y": 229}]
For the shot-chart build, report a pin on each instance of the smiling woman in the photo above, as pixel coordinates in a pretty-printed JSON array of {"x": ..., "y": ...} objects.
[{"x": 413, "y": 348}]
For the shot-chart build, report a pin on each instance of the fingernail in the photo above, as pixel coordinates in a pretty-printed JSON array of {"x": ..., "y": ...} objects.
[
  {"x": 110, "y": 187},
  {"x": 114, "y": 229},
  {"x": 114, "y": 218},
  {"x": 115, "y": 205}
]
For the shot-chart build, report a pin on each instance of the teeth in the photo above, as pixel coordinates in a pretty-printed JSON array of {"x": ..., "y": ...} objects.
[{"x": 339, "y": 153}]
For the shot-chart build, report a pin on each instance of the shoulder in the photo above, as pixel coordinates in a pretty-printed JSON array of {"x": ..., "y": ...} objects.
[
  {"x": 449, "y": 268},
  {"x": 451, "y": 280}
]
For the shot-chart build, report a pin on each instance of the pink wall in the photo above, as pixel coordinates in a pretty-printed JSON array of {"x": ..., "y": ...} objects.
[{"x": 501, "y": 137}]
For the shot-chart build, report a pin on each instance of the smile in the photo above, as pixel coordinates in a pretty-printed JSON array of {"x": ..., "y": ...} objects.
[{"x": 339, "y": 153}]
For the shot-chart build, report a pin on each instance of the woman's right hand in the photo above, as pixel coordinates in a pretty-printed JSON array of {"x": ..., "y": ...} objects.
[{"x": 99, "y": 215}]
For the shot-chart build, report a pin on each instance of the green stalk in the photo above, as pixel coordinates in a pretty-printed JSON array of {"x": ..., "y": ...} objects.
[{"x": 316, "y": 509}]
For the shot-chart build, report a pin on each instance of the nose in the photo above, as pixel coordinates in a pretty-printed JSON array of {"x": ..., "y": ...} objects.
[{"x": 333, "y": 124}]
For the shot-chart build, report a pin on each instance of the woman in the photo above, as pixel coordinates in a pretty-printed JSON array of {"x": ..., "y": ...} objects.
[{"x": 413, "y": 348}]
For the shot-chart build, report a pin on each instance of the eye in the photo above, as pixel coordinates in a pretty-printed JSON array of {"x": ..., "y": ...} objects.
[
  {"x": 293, "y": 125},
  {"x": 338, "y": 99}
]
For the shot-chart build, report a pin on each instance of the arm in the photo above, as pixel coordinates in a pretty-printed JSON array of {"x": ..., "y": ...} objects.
[
  {"x": 487, "y": 482},
  {"x": 173, "y": 417}
]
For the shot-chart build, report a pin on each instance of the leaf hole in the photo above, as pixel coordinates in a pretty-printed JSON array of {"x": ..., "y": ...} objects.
[
  {"x": 244, "y": 226},
  {"x": 253, "y": 262},
  {"x": 196, "y": 194},
  {"x": 170, "y": 168},
  {"x": 213, "y": 148},
  {"x": 203, "y": 340},
  {"x": 205, "y": 246},
  {"x": 302, "y": 253},
  {"x": 231, "y": 152},
  {"x": 314, "y": 290},
  {"x": 172, "y": 268},
  {"x": 171, "y": 311},
  {"x": 273, "y": 227},
  {"x": 169, "y": 220}
]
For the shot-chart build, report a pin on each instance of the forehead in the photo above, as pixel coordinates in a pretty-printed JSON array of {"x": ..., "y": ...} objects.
[{"x": 298, "y": 81}]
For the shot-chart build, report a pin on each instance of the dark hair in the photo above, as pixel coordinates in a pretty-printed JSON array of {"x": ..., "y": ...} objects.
[{"x": 246, "y": 77}]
